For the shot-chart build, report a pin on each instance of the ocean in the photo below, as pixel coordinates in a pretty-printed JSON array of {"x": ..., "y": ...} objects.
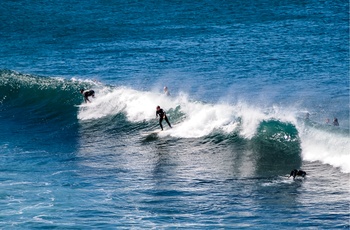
[{"x": 254, "y": 89}]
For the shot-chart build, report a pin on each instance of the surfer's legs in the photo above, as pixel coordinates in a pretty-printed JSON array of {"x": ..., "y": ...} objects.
[
  {"x": 167, "y": 121},
  {"x": 160, "y": 122}
]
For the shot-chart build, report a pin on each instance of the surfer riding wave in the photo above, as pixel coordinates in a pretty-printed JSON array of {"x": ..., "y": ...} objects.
[{"x": 162, "y": 115}]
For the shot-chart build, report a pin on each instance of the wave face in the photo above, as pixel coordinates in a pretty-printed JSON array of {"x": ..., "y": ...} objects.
[
  {"x": 47, "y": 109},
  {"x": 40, "y": 94},
  {"x": 39, "y": 110}
]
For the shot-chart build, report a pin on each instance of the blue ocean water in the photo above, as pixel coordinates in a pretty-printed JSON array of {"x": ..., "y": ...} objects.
[{"x": 252, "y": 84}]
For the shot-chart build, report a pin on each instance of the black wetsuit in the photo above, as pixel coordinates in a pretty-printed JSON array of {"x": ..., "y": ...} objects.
[
  {"x": 162, "y": 115},
  {"x": 88, "y": 93},
  {"x": 335, "y": 122}
]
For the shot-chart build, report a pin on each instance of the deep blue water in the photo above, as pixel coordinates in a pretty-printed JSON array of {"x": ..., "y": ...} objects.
[{"x": 243, "y": 76}]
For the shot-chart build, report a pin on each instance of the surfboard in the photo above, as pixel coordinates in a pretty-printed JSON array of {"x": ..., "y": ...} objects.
[
  {"x": 82, "y": 105},
  {"x": 154, "y": 132}
]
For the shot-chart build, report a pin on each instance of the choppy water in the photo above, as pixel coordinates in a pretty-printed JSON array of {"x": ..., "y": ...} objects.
[{"x": 242, "y": 77}]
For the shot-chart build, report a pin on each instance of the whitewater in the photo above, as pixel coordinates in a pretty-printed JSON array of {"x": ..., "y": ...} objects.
[{"x": 195, "y": 119}]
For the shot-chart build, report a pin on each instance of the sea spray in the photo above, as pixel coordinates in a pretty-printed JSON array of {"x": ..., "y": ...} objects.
[{"x": 327, "y": 144}]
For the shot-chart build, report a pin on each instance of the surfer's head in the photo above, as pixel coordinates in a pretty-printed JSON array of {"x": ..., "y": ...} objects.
[
  {"x": 81, "y": 90},
  {"x": 158, "y": 107}
]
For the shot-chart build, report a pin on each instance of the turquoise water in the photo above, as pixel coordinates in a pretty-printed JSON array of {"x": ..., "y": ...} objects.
[{"x": 243, "y": 77}]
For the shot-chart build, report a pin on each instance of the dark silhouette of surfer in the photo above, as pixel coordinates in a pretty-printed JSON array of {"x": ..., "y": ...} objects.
[
  {"x": 162, "y": 115},
  {"x": 87, "y": 93},
  {"x": 335, "y": 122}
]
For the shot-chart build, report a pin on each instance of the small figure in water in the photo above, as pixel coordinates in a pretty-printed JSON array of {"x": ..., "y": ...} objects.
[
  {"x": 296, "y": 172},
  {"x": 87, "y": 93},
  {"x": 166, "y": 91},
  {"x": 335, "y": 122},
  {"x": 162, "y": 115}
]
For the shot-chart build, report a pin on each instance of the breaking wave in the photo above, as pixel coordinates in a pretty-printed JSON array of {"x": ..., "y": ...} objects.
[{"x": 272, "y": 132}]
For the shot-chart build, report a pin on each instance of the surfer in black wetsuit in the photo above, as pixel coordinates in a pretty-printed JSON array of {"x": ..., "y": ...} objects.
[
  {"x": 335, "y": 122},
  {"x": 162, "y": 116},
  {"x": 87, "y": 93}
]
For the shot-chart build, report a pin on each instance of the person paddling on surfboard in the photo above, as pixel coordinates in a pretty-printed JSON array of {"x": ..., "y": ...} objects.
[
  {"x": 162, "y": 115},
  {"x": 87, "y": 93}
]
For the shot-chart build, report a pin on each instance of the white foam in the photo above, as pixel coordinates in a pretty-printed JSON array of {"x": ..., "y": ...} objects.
[
  {"x": 327, "y": 147},
  {"x": 136, "y": 105},
  {"x": 201, "y": 119}
]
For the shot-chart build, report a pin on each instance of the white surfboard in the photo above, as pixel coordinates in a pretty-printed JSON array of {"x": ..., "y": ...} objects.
[
  {"x": 154, "y": 132},
  {"x": 82, "y": 105}
]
